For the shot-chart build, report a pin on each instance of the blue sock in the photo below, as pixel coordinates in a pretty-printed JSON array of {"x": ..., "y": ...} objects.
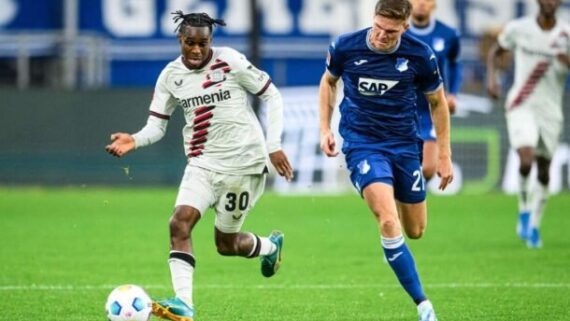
[{"x": 402, "y": 262}]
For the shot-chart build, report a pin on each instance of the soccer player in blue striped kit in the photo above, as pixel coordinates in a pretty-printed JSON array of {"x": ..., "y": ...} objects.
[{"x": 381, "y": 68}]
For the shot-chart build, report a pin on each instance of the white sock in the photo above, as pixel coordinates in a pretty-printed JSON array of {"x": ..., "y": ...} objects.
[
  {"x": 539, "y": 197},
  {"x": 181, "y": 270},
  {"x": 523, "y": 194},
  {"x": 267, "y": 247}
]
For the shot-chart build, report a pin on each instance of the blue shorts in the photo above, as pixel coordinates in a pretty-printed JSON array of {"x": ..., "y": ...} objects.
[{"x": 403, "y": 173}]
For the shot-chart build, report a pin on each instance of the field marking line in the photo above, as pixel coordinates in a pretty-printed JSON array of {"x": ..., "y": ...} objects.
[{"x": 69, "y": 287}]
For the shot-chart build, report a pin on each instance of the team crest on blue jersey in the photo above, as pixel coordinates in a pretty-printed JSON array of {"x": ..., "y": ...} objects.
[
  {"x": 438, "y": 44},
  {"x": 402, "y": 64}
]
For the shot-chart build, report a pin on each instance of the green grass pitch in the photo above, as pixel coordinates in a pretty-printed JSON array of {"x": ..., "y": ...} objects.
[{"x": 63, "y": 250}]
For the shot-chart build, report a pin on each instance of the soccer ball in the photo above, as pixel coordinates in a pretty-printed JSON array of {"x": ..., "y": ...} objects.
[{"x": 128, "y": 303}]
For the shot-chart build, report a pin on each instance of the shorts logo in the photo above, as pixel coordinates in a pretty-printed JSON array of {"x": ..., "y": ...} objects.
[
  {"x": 364, "y": 167},
  {"x": 375, "y": 87}
]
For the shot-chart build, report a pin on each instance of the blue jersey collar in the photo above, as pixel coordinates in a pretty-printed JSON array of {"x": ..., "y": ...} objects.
[
  {"x": 369, "y": 45},
  {"x": 423, "y": 31}
]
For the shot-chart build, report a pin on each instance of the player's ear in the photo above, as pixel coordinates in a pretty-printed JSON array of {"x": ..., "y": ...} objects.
[{"x": 406, "y": 25}]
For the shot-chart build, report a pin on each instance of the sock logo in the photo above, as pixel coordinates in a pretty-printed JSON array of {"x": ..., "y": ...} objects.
[{"x": 395, "y": 256}]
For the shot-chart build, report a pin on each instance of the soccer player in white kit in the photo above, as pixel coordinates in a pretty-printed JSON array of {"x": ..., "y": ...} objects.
[
  {"x": 226, "y": 149},
  {"x": 541, "y": 46}
]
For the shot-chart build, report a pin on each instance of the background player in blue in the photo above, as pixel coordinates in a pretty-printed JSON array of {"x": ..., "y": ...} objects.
[
  {"x": 444, "y": 41},
  {"x": 381, "y": 68}
]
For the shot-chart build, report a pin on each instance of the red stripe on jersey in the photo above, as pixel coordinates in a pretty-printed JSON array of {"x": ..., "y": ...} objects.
[
  {"x": 193, "y": 148},
  {"x": 195, "y": 153},
  {"x": 203, "y": 117},
  {"x": 202, "y": 125},
  {"x": 264, "y": 88},
  {"x": 530, "y": 84},
  {"x": 200, "y": 110},
  {"x": 200, "y": 133},
  {"x": 161, "y": 116},
  {"x": 198, "y": 141}
]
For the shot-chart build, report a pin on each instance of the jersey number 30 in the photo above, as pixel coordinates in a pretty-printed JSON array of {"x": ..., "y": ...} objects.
[{"x": 235, "y": 201}]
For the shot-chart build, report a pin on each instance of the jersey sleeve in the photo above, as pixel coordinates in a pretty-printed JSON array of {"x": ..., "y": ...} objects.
[
  {"x": 507, "y": 37},
  {"x": 455, "y": 67},
  {"x": 429, "y": 77},
  {"x": 254, "y": 80},
  {"x": 334, "y": 59},
  {"x": 163, "y": 103}
]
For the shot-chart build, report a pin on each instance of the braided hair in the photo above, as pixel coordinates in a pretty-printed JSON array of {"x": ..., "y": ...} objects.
[{"x": 195, "y": 20}]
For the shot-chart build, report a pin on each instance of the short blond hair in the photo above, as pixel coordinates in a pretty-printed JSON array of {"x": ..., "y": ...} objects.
[{"x": 393, "y": 9}]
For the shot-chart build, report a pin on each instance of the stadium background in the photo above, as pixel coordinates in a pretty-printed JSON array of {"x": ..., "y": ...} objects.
[{"x": 74, "y": 71}]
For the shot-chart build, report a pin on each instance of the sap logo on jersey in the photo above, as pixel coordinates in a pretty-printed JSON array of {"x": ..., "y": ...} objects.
[{"x": 375, "y": 87}]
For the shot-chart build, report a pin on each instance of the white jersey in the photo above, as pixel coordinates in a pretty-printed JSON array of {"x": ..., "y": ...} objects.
[
  {"x": 539, "y": 76},
  {"x": 222, "y": 132}
]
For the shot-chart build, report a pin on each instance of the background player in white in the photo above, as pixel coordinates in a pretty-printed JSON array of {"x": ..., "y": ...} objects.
[
  {"x": 541, "y": 46},
  {"x": 227, "y": 153}
]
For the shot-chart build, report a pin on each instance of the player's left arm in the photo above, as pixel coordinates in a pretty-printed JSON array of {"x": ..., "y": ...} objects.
[
  {"x": 259, "y": 83},
  {"x": 274, "y": 101},
  {"x": 440, "y": 116},
  {"x": 455, "y": 73}
]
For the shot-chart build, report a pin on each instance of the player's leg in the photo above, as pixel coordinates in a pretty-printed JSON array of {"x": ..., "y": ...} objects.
[
  {"x": 194, "y": 198},
  {"x": 526, "y": 158},
  {"x": 238, "y": 195},
  {"x": 410, "y": 194},
  {"x": 523, "y": 137},
  {"x": 380, "y": 200},
  {"x": 429, "y": 161},
  {"x": 538, "y": 199}
]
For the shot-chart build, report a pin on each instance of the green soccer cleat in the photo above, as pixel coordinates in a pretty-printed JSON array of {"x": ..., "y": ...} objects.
[
  {"x": 270, "y": 263},
  {"x": 173, "y": 309}
]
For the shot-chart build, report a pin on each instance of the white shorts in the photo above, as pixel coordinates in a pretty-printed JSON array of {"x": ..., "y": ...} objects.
[
  {"x": 231, "y": 196},
  {"x": 527, "y": 129}
]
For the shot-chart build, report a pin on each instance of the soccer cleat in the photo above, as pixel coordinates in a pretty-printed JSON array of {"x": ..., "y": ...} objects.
[
  {"x": 270, "y": 263},
  {"x": 426, "y": 312},
  {"x": 534, "y": 241},
  {"x": 522, "y": 225},
  {"x": 173, "y": 309}
]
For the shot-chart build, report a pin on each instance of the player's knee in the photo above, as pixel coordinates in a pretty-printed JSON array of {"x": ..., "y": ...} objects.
[
  {"x": 525, "y": 167},
  {"x": 428, "y": 171},
  {"x": 389, "y": 226},
  {"x": 415, "y": 232},
  {"x": 178, "y": 229}
]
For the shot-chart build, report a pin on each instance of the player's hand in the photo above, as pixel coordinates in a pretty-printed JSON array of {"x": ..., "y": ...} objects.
[
  {"x": 281, "y": 164},
  {"x": 451, "y": 103},
  {"x": 445, "y": 172},
  {"x": 564, "y": 58},
  {"x": 122, "y": 143},
  {"x": 328, "y": 144}
]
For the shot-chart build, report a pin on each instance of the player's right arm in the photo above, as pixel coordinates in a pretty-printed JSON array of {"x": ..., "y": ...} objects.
[
  {"x": 327, "y": 101},
  {"x": 495, "y": 53},
  {"x": 506, "y": 41},
  {"x": 327, "y": 98},
  {"x": 161, "y": 107}
]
